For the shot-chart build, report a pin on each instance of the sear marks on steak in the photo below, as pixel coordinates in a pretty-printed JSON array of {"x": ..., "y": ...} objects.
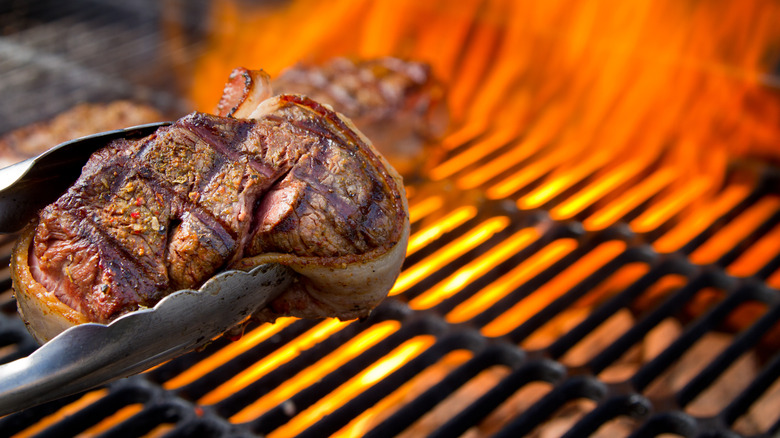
[{"x": 167, "y": 212}]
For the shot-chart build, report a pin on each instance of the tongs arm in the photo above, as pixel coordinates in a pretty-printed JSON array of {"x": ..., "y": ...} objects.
[
  {"x": 88, "y": 355},
  {"x": 27, "y": 186}
]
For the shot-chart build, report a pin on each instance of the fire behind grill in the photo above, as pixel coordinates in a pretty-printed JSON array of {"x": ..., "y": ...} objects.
[{"x": 624, "y": 300}]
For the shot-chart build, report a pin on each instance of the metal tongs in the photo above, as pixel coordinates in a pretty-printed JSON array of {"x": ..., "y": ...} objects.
[{"x": 89, "y": 355}]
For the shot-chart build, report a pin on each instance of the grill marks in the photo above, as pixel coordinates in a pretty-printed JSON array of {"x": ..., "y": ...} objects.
[
  {"x": 142, "y": 213},
  {"x": 167, "y": 212}
]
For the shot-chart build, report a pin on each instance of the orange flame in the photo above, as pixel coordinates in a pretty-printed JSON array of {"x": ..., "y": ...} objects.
[
  {"x": 600, "y": 111},
  {"x": 596, "y": 81}
]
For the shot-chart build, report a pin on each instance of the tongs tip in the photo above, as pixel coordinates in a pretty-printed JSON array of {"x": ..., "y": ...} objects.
[{"x": 88, "y": 355}]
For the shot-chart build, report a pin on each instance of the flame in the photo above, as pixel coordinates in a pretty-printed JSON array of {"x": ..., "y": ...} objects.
[
  {"x": 317, "y": 371},
  {"x": 630, "y": 199},
  {"x": 602, "y": 112},
  {"x": 696, "y": 224},
  {"x": 277, "y": 358},
  {"x": 511, "y": 280},
  {"x": 539, "y": 299},
  {"x": 436, "y": 261},
  {"x": 227, "y": 353},
  {"x": 363, "y": 423},
  {"x": 757, "y": 256},
  {"x": 341, "y": 395},
  {"x": 112, "y": 420},
  {"x": 562, "y": 323},
  {"x": 598, "y": 82},
  {"x": 476, "y": 269},
  {"x": 443, "y": 225},
  {"x": 735, "y": 232},
  {"x": 64, "y": 412}
]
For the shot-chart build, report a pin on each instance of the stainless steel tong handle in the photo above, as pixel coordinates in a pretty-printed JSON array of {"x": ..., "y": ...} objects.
[
  {"x": 27, "y": 186},
  {"x": 88, "y": 355}
]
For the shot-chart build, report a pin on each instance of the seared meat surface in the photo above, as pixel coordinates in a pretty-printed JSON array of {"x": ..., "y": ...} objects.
[{"x": 166, "y": 212}]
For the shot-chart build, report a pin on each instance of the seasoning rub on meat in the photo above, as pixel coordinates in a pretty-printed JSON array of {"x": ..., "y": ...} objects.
[{"x": 280, "y": 180}]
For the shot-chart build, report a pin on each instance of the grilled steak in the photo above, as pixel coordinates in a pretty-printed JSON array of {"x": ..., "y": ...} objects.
[{"x": 296, "y": 185}]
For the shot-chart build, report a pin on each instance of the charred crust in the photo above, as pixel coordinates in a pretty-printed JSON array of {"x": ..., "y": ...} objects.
[{"x": 213, "y": 235}]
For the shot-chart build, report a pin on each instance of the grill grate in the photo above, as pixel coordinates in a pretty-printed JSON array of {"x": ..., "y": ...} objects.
[
  {"x": 623, "y": 299},
  {"x": 453, "y": 355}
]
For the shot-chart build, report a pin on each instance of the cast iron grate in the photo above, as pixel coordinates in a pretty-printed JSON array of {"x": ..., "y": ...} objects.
[
  {"x": 505, "y": 321},
  {"x": 179, "y": 409}
]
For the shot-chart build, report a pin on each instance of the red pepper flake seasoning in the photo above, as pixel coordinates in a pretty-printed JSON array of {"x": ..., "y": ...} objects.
[
  {"x": 140, "y": 201},
  {"x": 135, "y": 215}
]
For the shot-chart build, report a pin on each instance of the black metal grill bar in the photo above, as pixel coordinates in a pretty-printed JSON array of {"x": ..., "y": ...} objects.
[
  {"x": 631, "y": 405},
  {"x": 573, "y": 388},
  {"x": 483, "y": 281},
  {"x": 435, "y": 277},
  {"x": 445, "y": 344},
  {"x": 123, "y": 395},
  {"x": 489, "y": 357},
  {"x": 770, "y": 268},
  {"x": 774, "y": 430},
  {"x": 741, "y": 404},
  {"x": 568, "y": 192},
  {"x": 611, "y": 306},
  {"x": 19, "y": 421},
  {"x": 531, "y": 161},
  {"x": 742, "y": 343},
  {"x": 278, "y": 416},
  {"x": 13, "y": 332},
  {"x": 674, "y": 422},
  {"x": 222, "y": 374},
  {"x": 556, "y": 231},
  {"x": 616, "y": 193},
  {"x": 243, "y": 397},
  {"x": 532, "y": 371},
  {"x": 749, "y": 240},
  {"x": 702, "y": 325},
  {"x": 534, "y": 283},
  {"x": 635, "y": 254},
  {"x": 721, "y": 221},
  {"x": 668, "y": 308}
]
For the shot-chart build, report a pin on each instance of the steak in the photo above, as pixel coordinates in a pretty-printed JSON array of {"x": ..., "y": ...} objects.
[{"x": 296, "y": 185}]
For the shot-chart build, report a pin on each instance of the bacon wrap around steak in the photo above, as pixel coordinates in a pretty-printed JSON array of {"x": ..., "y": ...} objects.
[{"x": 297, "y": 184}]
